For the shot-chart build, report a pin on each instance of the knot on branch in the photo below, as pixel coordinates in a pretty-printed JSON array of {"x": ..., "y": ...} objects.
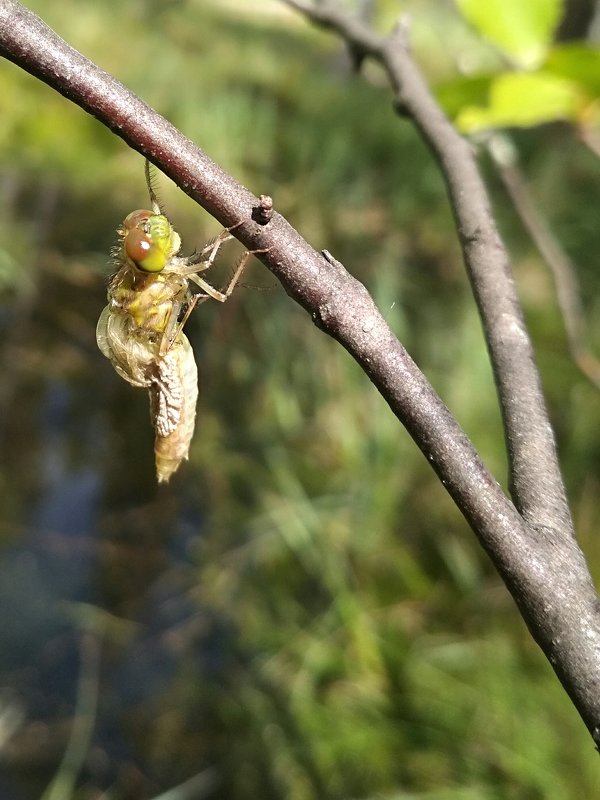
[{"x": 263, "y": 212}]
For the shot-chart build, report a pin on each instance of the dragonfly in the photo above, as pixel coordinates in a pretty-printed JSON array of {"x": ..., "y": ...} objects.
[{"x": 140, "y": 331}]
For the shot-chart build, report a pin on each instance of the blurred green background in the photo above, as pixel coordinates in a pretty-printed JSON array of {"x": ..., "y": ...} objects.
[{"x": 302, "y": 613}]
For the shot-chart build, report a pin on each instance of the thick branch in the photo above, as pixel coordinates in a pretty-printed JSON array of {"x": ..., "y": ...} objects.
[{"x": 544, "y": 570}]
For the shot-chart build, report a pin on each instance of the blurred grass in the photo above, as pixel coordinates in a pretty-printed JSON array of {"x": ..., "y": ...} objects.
[{"x": 373, "y": 652}]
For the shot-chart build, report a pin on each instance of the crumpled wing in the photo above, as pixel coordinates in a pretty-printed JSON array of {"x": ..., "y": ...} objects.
[{"x": 131, "y": 354}]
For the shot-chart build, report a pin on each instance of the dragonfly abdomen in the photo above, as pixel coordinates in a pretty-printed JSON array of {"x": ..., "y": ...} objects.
[{"x": 173, "y": 397}]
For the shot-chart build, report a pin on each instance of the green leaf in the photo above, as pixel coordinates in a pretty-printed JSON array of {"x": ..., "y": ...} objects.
[
  {"x": 464, "y": 92},
  {"x": 522, "y": 29},
  {"x": 577, "y": 62},
  {"x": 523, "y": 100}
]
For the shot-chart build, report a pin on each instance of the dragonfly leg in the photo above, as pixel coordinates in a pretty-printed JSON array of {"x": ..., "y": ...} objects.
[
  {"x": 190, "y": 270},
  {"x": 174, "y": 327},
  {"x": 215, "y": 293},
  {"x": 168, "y": 335},
  {"x": 196, "y": 262}
]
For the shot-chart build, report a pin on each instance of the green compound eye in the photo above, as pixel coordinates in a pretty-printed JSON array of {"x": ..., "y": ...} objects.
[{"x": 149, "y": 240}]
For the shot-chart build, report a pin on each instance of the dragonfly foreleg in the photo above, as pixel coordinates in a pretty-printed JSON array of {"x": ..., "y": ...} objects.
[
  {"x": 215, "y": 293},
  {"x": 197, "y": 262}
]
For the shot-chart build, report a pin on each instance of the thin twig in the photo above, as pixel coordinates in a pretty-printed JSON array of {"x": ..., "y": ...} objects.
[{"x": 563, "y": 271}]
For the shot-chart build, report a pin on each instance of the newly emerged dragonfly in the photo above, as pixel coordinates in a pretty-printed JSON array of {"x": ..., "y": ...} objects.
[{"x": 141, "y": 328}]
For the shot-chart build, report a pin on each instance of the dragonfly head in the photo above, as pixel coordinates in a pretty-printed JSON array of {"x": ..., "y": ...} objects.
[{"x": 149, "y": 240}]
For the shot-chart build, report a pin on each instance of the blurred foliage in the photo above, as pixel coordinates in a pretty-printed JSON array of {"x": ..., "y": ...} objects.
[
  {"x": 523, "y": 31},
  {"x": 307, "y": 615},
  {"x": 533, "y": 81}
]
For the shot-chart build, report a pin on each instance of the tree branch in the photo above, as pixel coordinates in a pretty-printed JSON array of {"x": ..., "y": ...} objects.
[
  {"x": 543, "y": 568},
  {"x": 535, "y": 480}
]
